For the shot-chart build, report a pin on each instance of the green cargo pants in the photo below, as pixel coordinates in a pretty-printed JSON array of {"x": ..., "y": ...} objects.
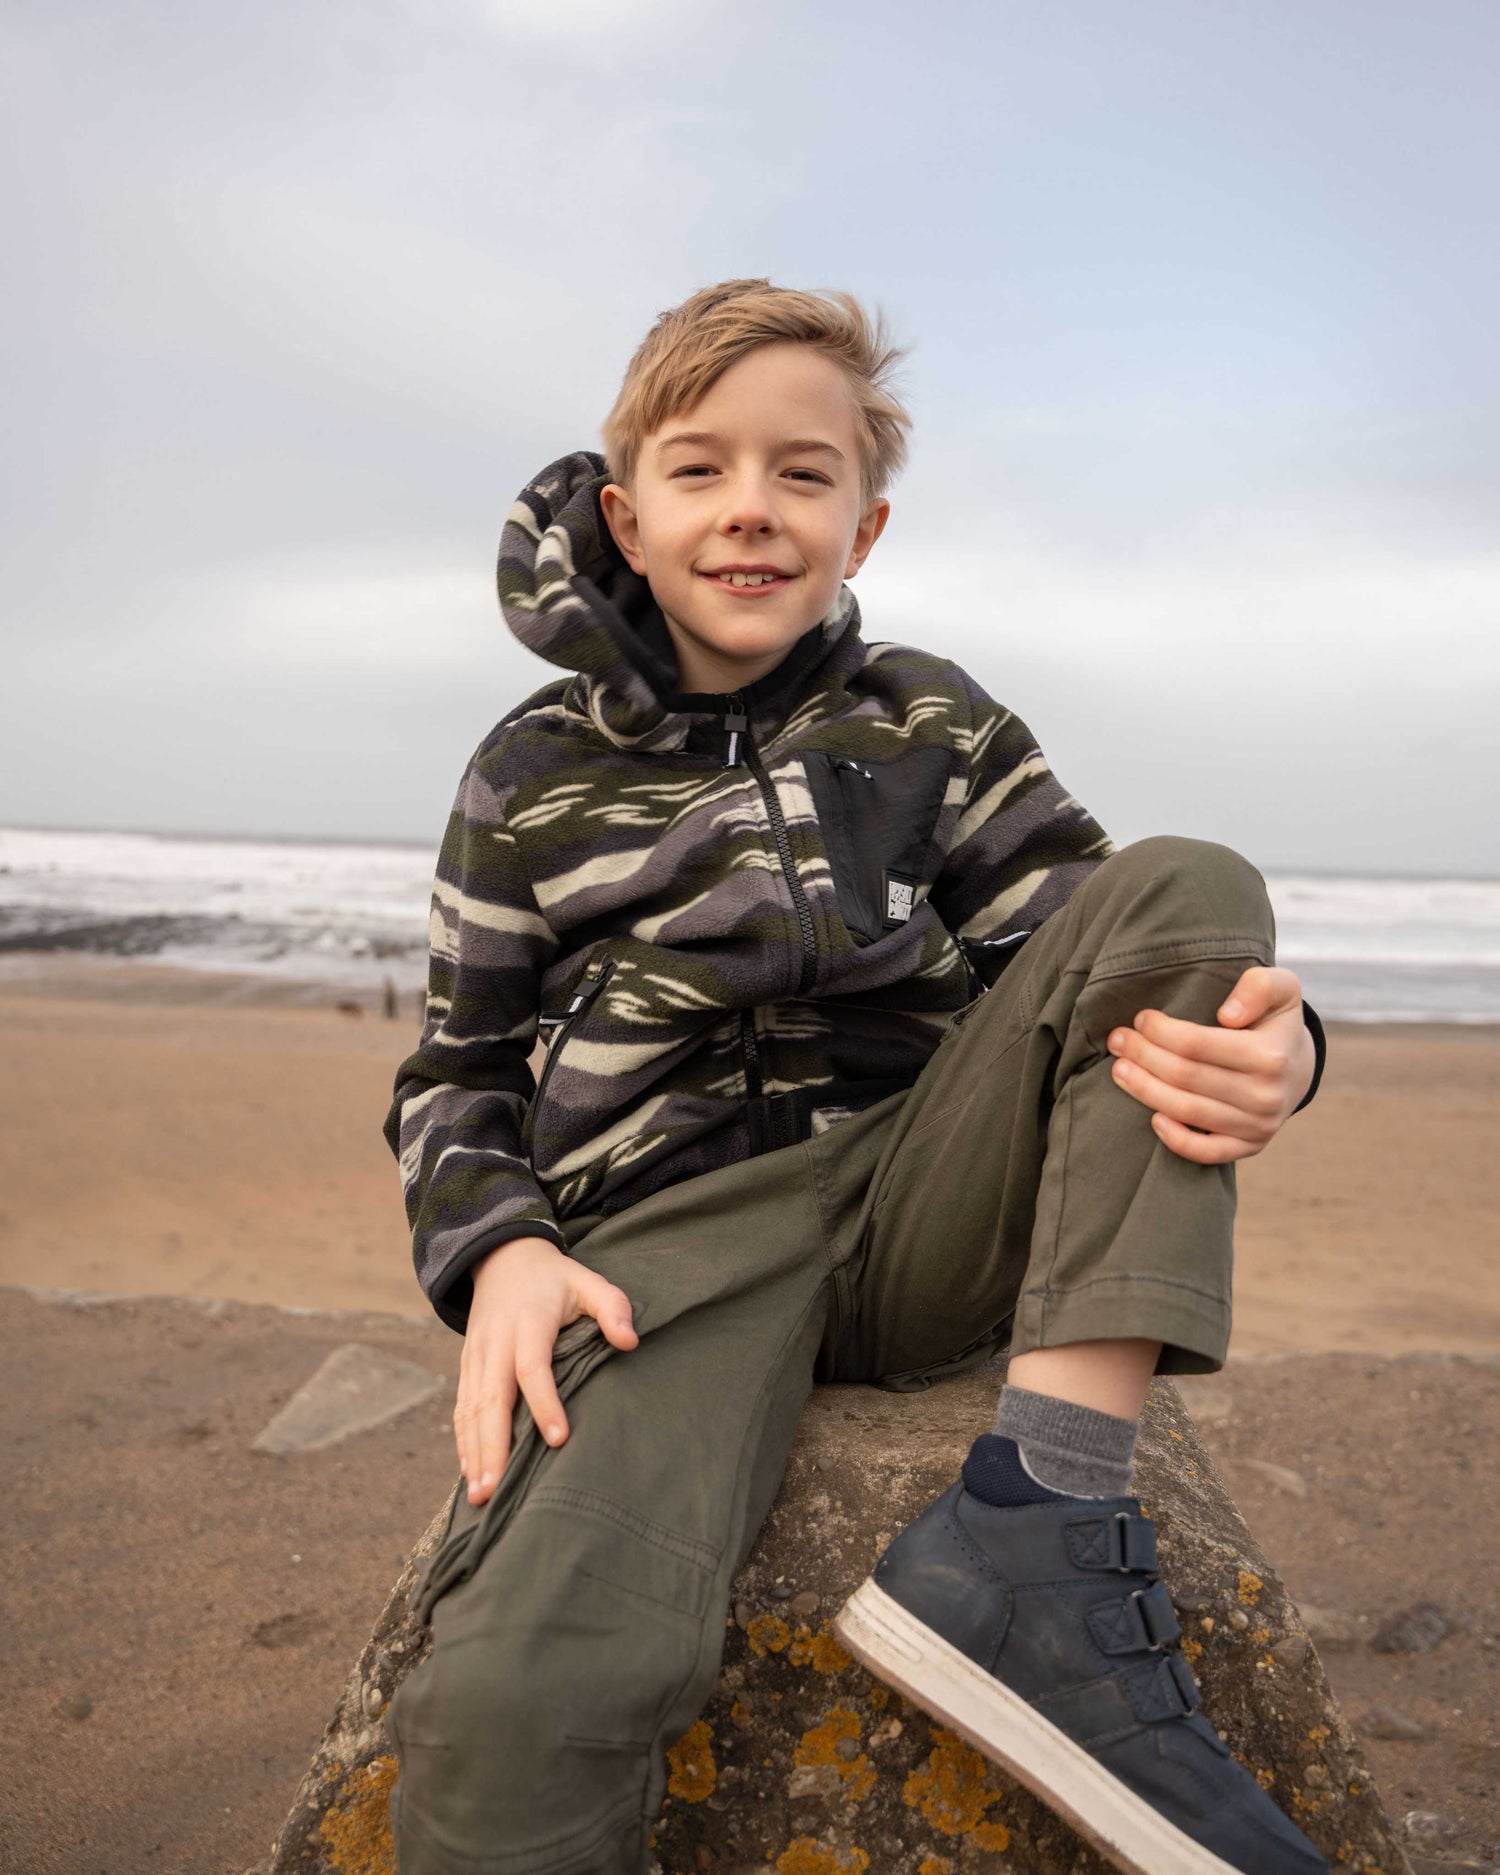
[{"x": 1013, "y": 1193}]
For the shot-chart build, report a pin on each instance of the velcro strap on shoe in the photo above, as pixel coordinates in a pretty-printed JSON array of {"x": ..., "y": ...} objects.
[
  {"x": 1164, "y": 1690},
  {"x": 1125, "y": 1542},
  {"x": 1143, "y": 1619}
]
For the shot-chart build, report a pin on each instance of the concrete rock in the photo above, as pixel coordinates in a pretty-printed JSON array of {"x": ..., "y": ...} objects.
[
  {"x": 355, "y": 1388},
  {"x": 1391, "y": 1722},
  {"x": 1414, "y": 1630},
  {"x": 802, "y": 1762},
  {"x": 1335, "y": 1633}
]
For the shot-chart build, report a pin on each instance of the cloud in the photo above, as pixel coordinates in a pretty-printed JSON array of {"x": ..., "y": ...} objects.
[
  {"x": 1377, "y": 622},
  {"x": 1203, "y": 479},
  {"x": 588, "y": 24},
  {"x": 351, "y": 619}
]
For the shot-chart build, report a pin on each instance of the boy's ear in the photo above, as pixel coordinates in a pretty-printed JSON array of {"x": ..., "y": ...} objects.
[
  {"x": 871, "y": 525},
  {"x": 620, "y": 518}
]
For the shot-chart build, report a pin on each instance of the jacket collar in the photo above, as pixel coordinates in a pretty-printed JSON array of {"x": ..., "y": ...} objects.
[{"x": 568, "y": 594}]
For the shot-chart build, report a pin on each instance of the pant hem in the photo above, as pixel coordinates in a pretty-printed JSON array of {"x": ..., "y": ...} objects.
[{"x": 1191, "y": 1324}]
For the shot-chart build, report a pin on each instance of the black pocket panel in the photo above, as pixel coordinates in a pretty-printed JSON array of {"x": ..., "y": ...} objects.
[{"x": 877, "y": 820}]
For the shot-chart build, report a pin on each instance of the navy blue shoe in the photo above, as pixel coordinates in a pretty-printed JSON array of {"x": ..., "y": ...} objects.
[{"x": 1036, "y": 1626}]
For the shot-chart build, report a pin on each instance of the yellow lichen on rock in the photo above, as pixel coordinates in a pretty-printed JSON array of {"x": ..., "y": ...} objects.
[
  {"x": 356, "y": 1827},
  {"x": 954, "y": 1792},
  {"x": 767, "y": 1634},
  {"x": 692, "y": 1771},
  {"x": 1250, "y": 1586},
  {"x": 805, "y": 1855},
  {"x": 935, "y": 1865},
  {"x": 819, "y": 1651},
  {"x": 820, "y": 1746}
]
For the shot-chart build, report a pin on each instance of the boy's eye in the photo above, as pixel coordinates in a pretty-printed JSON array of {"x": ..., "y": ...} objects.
[{"x": 707, "y": 468}]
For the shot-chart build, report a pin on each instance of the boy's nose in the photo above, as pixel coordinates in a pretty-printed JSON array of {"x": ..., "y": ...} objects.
[{"x": 749, "y": 510}]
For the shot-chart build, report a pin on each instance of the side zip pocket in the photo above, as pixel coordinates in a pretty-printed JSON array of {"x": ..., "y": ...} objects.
[{"x": 595, "y": 976}]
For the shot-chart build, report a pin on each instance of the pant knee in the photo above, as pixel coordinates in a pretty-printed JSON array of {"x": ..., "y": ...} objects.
[
  {"x": 1207, "y": 877},
  {"x": 497, "y": 1773},
  {"x": 532, "y": 1736}
]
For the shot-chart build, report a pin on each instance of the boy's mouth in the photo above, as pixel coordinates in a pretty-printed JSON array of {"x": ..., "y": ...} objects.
[{"x": 740, "y": 581}]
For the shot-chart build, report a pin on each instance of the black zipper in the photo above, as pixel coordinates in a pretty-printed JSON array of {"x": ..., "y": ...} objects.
[
  {"x": 976, "y": 982},
  {"x": 844, "y": 768},
  {"x": 841, "y": 765},
  {"x": 736, "y": 723},
  {"x": 594, "y": 978},
  {"x": 968, "y": 946},
  {"x": 752, "y": 1053}
]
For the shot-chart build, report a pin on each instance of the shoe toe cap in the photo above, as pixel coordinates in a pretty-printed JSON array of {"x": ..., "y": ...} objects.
[{"x": 1184, "y": 1770}]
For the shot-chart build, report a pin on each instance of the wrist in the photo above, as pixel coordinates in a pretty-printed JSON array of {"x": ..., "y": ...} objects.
[{"x": 517, "y": 1246}]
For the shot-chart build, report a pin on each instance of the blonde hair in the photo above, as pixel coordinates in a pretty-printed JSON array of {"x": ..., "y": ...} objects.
[{"x": 692, "y": 345}]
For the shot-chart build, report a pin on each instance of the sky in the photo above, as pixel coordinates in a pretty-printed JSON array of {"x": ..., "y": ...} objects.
[{"x": 1199, "y": 300}]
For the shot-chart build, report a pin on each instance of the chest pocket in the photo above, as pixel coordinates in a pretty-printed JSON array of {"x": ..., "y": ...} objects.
[{"x": 877, "y": 820}]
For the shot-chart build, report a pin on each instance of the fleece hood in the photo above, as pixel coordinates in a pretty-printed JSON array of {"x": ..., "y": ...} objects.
[{"x": 569, "y": 595}]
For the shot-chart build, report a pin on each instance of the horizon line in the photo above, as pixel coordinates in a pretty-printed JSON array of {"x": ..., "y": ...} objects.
[{"x": 432, "y": 845}]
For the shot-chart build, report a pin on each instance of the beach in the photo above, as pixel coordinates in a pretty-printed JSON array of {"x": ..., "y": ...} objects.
[
  {"x": 198, "y": 1206},
  {"x": 168, "y": 1131}
]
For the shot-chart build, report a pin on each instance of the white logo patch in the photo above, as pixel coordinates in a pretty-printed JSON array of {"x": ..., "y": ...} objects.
[{"x": 898, "y": 896}]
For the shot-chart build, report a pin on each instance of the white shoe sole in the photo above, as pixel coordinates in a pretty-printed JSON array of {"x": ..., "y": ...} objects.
[{"x": 916, "y": 1660}]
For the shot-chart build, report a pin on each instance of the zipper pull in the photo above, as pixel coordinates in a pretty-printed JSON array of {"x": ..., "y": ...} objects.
[
  {"x": 735, "y": 724},
  {"x": 848, "y": 761},
  {"x": 588, "y": 983}
]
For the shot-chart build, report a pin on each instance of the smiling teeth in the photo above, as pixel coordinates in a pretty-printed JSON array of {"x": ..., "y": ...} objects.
[{"x": 747, "y": 579}]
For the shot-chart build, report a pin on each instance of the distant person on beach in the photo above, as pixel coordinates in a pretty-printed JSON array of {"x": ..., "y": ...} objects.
[{"x": 868, "y": 1055}]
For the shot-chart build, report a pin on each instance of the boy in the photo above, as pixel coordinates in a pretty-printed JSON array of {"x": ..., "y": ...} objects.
[{"x": 867, "y": 1053}]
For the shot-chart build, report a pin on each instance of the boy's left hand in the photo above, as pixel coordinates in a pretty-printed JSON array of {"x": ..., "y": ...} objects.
[{"x": 1220, "y": 1094}]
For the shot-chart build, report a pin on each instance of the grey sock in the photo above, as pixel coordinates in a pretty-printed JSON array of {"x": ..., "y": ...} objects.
[{"x": 1067, "y": 1447}]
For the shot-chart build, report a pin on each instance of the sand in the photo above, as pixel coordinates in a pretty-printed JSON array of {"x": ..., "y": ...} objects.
[
  {"x": 176, "y": 1146},
  {"x": 183, "y": 1611}
]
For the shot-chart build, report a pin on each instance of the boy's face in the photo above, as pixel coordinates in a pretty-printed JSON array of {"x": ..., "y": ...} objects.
[{"x": 764, "y": 471}]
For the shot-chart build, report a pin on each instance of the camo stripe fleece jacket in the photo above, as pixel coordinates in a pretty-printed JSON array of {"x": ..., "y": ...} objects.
[{"x": 733, "y": 920}]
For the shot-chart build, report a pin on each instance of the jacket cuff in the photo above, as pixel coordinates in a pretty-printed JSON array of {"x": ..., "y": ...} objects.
[
  {"x": 454, "y": 1299},
  {"x": 1320, "y": 1052}
]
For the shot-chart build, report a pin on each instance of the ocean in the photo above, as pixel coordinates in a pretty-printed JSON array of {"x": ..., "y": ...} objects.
[{"x": 350, "y": 914}]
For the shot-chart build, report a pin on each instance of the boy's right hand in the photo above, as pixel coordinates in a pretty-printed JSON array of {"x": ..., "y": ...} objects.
[{"x": 525, "y": 1292}]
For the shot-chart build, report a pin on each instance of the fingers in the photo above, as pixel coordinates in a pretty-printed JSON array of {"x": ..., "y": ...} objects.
[
  {"x": 1237, "y": 1119},
  {"x": 508, "y": 1352},
  {"x": 1261, "y": 990},
  {"x": 482, "y": 1416},
  {"x": 609, "y": 1306},
  {"x": 1248, "y": 1051},
  {"x": 1235, "y": 1087},
  {"x": 1203, "y": 1148},
  {"x": 534, "y": 1338}
]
